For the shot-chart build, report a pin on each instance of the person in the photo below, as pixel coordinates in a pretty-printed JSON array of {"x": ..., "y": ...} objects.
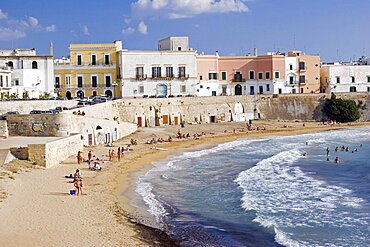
[
  {"x": 112, "y": 154},
  {"x": 327, "y": 151},
  {"x": 119, "y": 154},
  {"x": 76, "y": 175},
  {"x": 78, "y": 186},
  {"x": 89, "y": 155},
  {"x": 327, "y": 159},
  {"x": 361, "y": 145},
  {"x": 304, "y": 154},
  {"x": 347, "y": 149},
  {"x": 79, "y": 157},
  {"x": 336, "y": 149},
  {"x": 336, "y": 160}
]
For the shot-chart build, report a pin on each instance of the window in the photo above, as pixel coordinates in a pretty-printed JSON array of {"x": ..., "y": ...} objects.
[
  {"x": 277, "y": 75},
  {"x": 79, "y": 59},
  {"x": 268, "y": 87},
  {"x": 201, "y": 86},
  {"x": 108, "y": 81},
  {"x": 352, "y": 89},
  {"x": 251, "y": 75},
  {"x": 238, "y": 77},
  {"x": 294, "y": 91},
  {"x": 68, "y": 81},
  {"x": 57, "y": 82},
  {"x": 302, "y": 79},
  {"x": 141, "y": 89},
  {"x": 368, "y": 89},
  {"x": 94, "y": 93},
  {"x": 223, "y": 75},
  {"x": 260, "y": 76},
  {"x": 1, "y": 81},
  {"x": 291, "y": 80},
  {"x": 337, "y": 79},
  {"x": 106, "y": 59},
  {"x": 94, "y": 81},
  {"x": 80, "y": 80},
  {"x": 34, "y": 65},
  {"x": 17, "y": 82},
  {"x": 212, "y": 76},
  {"x": 183, "y": 88},
  {"x": 169, "y": 72},
  {"x": 156, "y": 72},
  {"x": 182, "y": 72},
  {"x": 302, "y": 65},
  {"x": 280, "y": 91},
  {"x": 93, "y": 59},
  {"x": 368, "y": 79},
  {"x": 267, "y": 76},
  {"x": 139, "y": 72},
  {"x": 353, "y": 80},
  {"x": 290, "y": 66},
  {"x": 201, "y": 77}
]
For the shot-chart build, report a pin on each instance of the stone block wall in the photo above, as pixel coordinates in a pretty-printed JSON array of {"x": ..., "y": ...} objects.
[
  {"x": 25, "y": 106},
  {"x": 20, "y": 153},
  {"x": 4, "y": 129},
  {"x": 53, "y": 153}
]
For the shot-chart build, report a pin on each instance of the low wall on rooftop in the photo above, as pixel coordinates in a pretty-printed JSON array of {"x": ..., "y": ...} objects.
[{"x": 25, "y": 106}]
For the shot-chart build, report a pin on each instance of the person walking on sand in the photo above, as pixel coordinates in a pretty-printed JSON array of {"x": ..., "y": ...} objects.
[
  {"x": 112, "y": 154},
  {"x": 79, "y": 157},
  {"x": 89, "y": 155},
  {"x": 78, "y": 186},
  {"x": 76, "y": 175},
  {"x": 119, "y": 154}
]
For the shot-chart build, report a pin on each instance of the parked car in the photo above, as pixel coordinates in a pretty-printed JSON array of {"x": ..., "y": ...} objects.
[
  {"x": 12, "y": 112},
  {"x": 36, "y": 112},
  {"x": 85, "y": 103},
  {"x": 61, "y": 109},
  {"x": 101, "y": 99}
]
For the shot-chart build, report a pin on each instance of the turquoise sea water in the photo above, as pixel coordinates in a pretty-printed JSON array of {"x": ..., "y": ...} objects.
[{"x": 265, "y": 192}]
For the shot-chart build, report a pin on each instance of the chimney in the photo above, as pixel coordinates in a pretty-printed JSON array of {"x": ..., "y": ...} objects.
[
  {"x": 255, "y": 52},
  {"x": 51, "y": 49}
]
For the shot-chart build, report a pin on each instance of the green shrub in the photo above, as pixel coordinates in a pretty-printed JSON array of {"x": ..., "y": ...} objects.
[{"x": 341, "y": 110}]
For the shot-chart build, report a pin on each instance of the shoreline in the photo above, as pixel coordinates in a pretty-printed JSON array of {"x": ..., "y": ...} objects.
[
  {"x": 128, "y": 188},
  {"x": 108, "y": 192}
]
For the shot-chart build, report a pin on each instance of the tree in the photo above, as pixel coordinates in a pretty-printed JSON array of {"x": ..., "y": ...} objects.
[
  {"x": 25, "y": 94},
  {"x": 45, "y": 95},
  {"x": 341, "y": 110}
]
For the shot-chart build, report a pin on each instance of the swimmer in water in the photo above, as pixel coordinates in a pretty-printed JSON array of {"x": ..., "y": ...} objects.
[{"x": 336, "y": 160}]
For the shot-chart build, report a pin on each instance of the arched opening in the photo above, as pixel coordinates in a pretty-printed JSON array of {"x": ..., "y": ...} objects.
[
  {"x": 34, "y": 65},
  {"x": 238, "y": 89},
  {"x": 10, "y": 64},
  {"x": 98, "y": 128},
  {"x": 109, "y": 93},
  {"x": 162, "y": 90},
  {"x": 68, "y": 95},
  {"x": 80, "y": 94},
  {"x": 99, "y": 135}
]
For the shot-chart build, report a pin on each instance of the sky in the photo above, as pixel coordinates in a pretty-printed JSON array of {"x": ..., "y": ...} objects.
[{"x": 334, "y": 29}]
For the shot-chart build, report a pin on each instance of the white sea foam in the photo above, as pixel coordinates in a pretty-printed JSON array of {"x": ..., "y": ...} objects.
[{"x": 285, "y": 197}]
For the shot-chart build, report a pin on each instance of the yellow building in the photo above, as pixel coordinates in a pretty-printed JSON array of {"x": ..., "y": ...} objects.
[{"x": 91, "y": 70}]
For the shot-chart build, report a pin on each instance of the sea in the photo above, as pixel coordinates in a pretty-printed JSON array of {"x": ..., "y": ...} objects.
[{"x": 270, "y": 191}]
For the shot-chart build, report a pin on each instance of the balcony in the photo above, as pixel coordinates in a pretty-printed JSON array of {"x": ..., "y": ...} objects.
[
  {"x": 85, "y": 87},
  {"x": 165, "y": 78},
  {"x": 141, "y": 77},
  {"x": 183, "y": 77},
  {"x": 238, "y": 80}
]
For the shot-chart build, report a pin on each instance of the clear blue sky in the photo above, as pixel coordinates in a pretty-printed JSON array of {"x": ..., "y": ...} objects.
[{"x": 335, "y": 29}]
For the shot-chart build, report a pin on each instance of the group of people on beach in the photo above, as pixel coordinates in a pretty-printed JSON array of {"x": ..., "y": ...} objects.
[
  {"x": 180, "y": 135},
  {"x": 77, "y": 182}
]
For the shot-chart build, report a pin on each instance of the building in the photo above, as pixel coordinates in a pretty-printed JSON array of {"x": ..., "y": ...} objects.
[
  {"x": 179, "y": 43},
  {"x": 343, "y": 78},
  {"x": 266, "y": 74},
  {"x": 25, "y": 74},
  {"x": 162, "y": 73},
  {"x": 91, "y": 70}
]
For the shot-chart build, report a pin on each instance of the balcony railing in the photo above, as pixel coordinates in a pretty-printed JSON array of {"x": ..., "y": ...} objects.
[
  {"x": 141, "y": 77},
  {"x": 166, "y": 78},
  {"x": 84, "y": 87},
  {"x": 183, "y": 77},
  {"x": 238, "y": 80}
]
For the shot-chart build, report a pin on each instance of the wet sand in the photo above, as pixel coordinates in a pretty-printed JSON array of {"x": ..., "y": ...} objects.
[{"x": 38, "y": 210}]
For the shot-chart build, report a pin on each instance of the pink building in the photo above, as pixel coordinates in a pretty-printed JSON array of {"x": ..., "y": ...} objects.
[{"x": 267, "y": 74}]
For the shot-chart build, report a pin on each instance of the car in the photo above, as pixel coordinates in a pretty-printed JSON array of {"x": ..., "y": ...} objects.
[
  {"x": 52, "y": 111},
  {"x": 83, "y": 103},
  {"x": 61, "y": 109},
  {"x": 36, "y": 112},
  {"x": 57, "y": 98}
]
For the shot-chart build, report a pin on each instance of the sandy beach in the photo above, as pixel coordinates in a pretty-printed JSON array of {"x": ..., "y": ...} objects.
[{"x": 37, "y": 210}]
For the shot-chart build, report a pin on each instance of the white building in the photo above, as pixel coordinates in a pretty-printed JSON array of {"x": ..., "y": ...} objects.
[
  {"x": 179, "y": 43},
  {"x": 291, "y": 83},
  {"x": 30, "y": 73},
  {"x": 339, "y": 78},
  {"x": 158, "y": 73}
]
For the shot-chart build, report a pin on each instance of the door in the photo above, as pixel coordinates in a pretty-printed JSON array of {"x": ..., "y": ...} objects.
[
  {"x": 176, "y": 120},
  {"x": 165, "y": 119},
  {"x": 222, "y": 117},
  {"x": 139, "y": 122},
  {"x": 90, "y": 137},
  {"x": 238, "y": 89},
  {"x": 251, "y": 90},
  {"x": 162, "y": 91},
  {"x": 261, "y": 89},
  {"x": 224, "y": 89},
  {"x": 212, "y": 119}
]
